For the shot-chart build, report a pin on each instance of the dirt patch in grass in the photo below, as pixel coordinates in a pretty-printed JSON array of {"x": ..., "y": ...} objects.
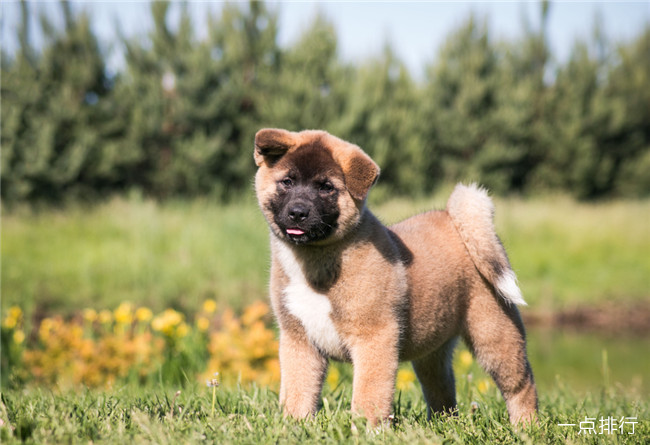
[{"x": 631, "y": 319}]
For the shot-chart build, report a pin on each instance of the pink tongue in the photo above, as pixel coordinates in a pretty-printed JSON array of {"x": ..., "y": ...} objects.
[{"x": 295, "y": 232}]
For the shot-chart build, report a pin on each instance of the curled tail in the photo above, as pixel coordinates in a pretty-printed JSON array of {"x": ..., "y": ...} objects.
[{"x": 472, "y": 212}]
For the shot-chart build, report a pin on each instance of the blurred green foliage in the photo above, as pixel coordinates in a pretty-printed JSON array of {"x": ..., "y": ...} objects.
[{"x": 179, "y": 119}]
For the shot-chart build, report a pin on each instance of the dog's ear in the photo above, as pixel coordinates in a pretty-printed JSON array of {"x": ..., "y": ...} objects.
[
  {"x": 271, "y": 144},
  {"x": 360, "y": 171}
]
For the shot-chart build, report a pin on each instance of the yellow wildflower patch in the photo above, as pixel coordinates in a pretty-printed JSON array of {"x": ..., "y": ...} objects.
[
  {"x": 99, "y": 348},
  {"x": 245, "y": 350},
  {"x": 67, "y": 357},
  {"x": 254, "y": 312}
]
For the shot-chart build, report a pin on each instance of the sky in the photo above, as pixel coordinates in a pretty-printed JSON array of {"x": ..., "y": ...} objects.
[{"x": 416, "y": 30}]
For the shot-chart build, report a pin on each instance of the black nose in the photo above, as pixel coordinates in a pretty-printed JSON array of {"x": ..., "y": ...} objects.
[{"x": 298, "y": 212}]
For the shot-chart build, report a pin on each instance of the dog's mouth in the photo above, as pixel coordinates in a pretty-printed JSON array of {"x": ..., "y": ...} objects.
[
  {"x": 305, "y": 232},
  {"x": 295, "y": 231},
  {"x": 297, "y": 235}
]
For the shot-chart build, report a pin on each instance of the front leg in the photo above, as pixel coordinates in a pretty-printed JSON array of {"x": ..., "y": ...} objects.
[
  {"x": 302, "y": 372},
  {"x": 375, "y": 361}
]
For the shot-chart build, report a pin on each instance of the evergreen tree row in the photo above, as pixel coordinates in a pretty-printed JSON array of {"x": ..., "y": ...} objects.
[{"x": 179, "y": 120}]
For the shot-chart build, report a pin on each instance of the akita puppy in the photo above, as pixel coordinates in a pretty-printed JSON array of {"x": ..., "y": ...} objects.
[{"x": 345, "y": 287}]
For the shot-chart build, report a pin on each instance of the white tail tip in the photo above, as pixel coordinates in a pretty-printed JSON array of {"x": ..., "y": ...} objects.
[{"x": 507, "y": 286}]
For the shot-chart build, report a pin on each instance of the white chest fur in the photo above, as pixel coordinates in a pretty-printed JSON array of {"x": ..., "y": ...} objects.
[{"x": 313, "y": 309}]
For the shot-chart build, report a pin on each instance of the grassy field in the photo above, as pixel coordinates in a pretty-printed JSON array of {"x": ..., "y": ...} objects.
[
  {"x": 178, "y": 254},
  {"x": 172, "y": 255},
  {"x": 251, "y": 416}
]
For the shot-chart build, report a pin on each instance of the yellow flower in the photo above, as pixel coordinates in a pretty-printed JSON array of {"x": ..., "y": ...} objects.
[
  {"x": 158, "y": 323},
  {"x": 209, "y": 306},
  {"x": 14, "y": 317},
  {"x": 333, "y": 377},
  {"x": 45, "y": 329},
  {"x": 9, "y": 322},
  {"x": 230, "y": 322},
  {"x": 19, "y": 337},
  {"x": 272, "y": 367},
  {"x": 76, "y": 331},
  {"x": 405, "y": 378},
  {"x": 167, "y": 321},
  {"x": 105, "y": 316},
  {"x": 90, "y": 315},
  {"x": 483, "y": 386},
  {"x": 15, "y": 312},
  {"x": 254, "y": 312},
  {"x": 182, "y": 330},
  {"x": 203, "y": 324},
  {"x": 465, "y": 358},
  {"x": 124, "y": 313},
  {"x": 143, "y": 314}
]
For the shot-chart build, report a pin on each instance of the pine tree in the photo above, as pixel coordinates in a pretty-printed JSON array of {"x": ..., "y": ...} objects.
[
  {"x": 628, "y": 141},
  {"x": 383, "y": 118},
  {"x": 243, "y": 41},
  {"x": 51, "y": 137},
  {"x": 520, "y": 121},
  {"x": 195, "y": 105},
  {"x": 311, "y": 88},
  {"x": 601, "y": 124},
  {"x": 459, "y": 98},
  {"x": 149, "y": 91}
]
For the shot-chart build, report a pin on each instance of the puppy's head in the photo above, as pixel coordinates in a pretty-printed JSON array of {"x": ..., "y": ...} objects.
[{"x": 311, "y": 186}]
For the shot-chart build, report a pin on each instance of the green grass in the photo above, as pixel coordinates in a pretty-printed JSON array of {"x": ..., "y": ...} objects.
[
  {"x": 569, "y": 254},
  {"x": 171, "y": 255},
  {"x": 177, "y": 254},
  {"x": 252, "y": 416}
]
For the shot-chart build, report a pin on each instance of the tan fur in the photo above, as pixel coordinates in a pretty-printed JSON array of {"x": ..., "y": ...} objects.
[{"x": 389, "y": 294}]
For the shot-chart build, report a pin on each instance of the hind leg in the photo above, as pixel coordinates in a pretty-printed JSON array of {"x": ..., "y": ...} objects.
[
  {"x": 495, "y": 333},
  {"x": 436, "y": 377}
]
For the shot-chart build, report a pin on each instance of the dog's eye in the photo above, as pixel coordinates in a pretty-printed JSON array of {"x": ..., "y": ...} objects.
[
  {"x": 287, "y": 182},
  {"x": 326, "y": 187}
]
